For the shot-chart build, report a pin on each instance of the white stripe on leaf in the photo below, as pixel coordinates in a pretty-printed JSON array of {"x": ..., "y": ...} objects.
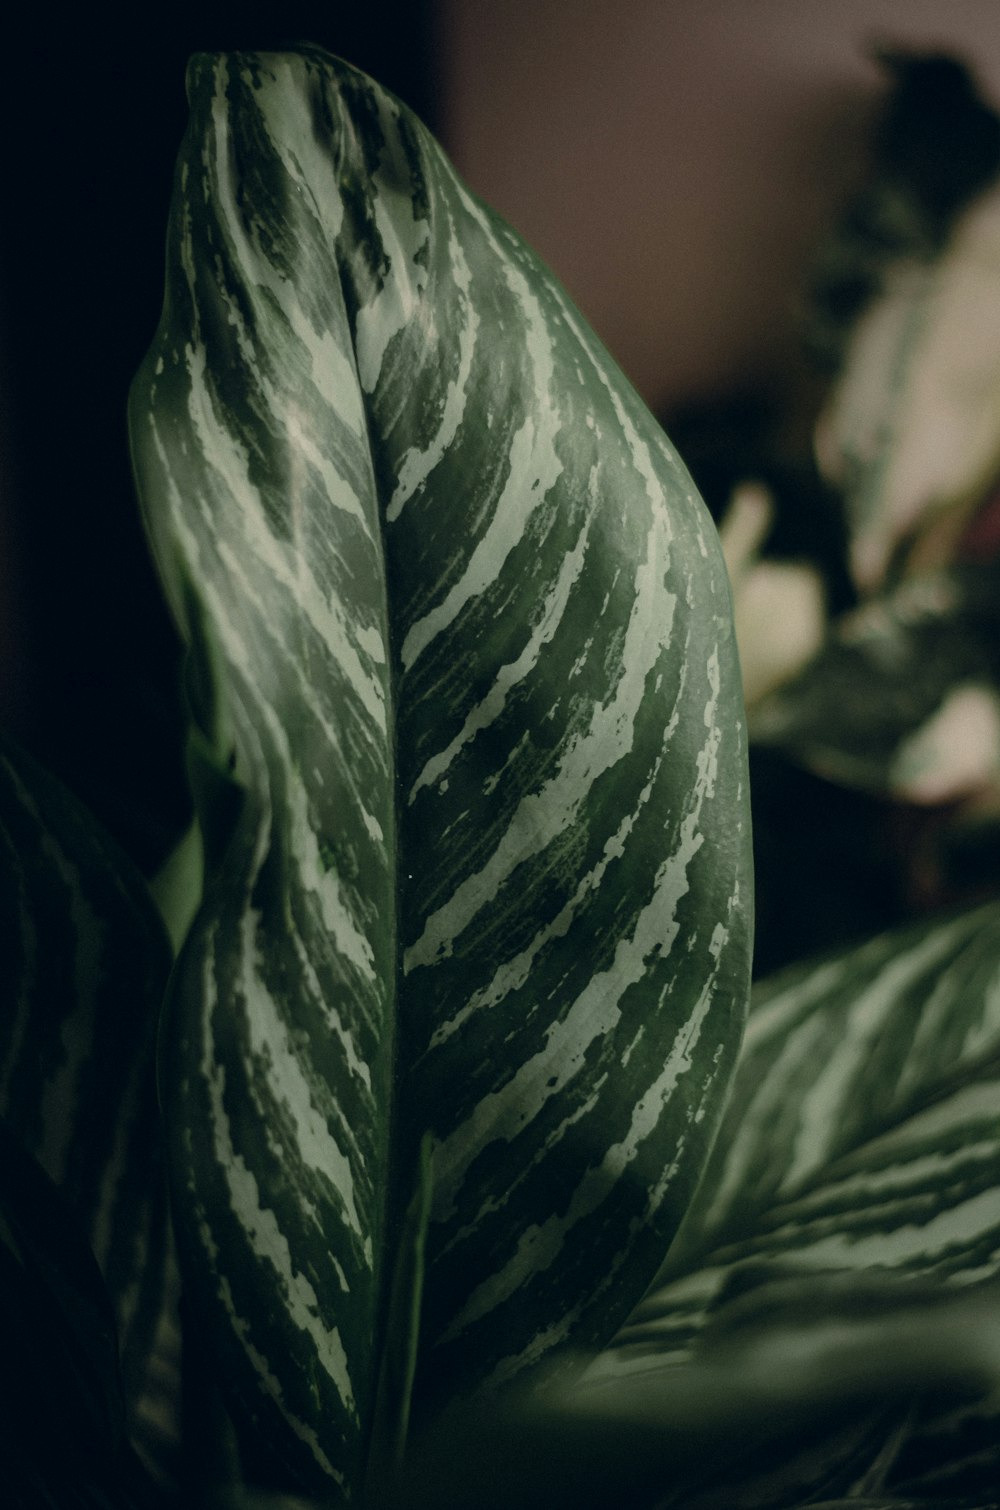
[
  {"x": 259, "y": 1224},
  {"x": 593, "y": 1016}
]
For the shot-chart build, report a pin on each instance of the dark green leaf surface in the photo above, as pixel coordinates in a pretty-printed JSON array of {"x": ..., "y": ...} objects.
[
  {"x": 489, "y": 879},
  {"x": 63, "y": 1439},
  {"x": 83, "y": 966},
  {"x": 59, "y": 1373}
]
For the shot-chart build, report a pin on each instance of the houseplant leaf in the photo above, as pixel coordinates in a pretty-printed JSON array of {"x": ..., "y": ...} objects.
[
  {"x": 861, "y": 1143},
  {"x": 489, "y": 878},
  {"x": 910, "y": 431},
  {"x": 83, "y": 966},
  {"x": 845, "y": 1054}
]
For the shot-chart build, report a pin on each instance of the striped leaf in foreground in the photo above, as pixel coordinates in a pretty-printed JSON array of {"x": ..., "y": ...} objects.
[
  {"x": 490, "y": 876},
  {"x": 83, "y": 967}
]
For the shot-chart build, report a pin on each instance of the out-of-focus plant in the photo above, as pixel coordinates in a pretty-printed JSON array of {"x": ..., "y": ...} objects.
[
  {"x": 865, "y": 576},
  {"x": 474, "y": 1196},
  {"x": 910, "y": 438}
]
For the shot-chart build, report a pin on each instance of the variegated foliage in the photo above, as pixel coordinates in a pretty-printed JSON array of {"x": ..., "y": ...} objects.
[
  {"x": 83, "y": 966},
  {"x": 910, "y": 432},
  {"x": 861, "y": 1143},
  {"x": 468, "y": 639}
]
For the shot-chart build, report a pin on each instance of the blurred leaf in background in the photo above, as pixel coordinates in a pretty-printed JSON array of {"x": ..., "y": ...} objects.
[{"x": 864, "y": 556}]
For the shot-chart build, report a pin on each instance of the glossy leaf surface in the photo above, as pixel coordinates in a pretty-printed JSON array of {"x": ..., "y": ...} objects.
[{"x": 489, "y": 878}]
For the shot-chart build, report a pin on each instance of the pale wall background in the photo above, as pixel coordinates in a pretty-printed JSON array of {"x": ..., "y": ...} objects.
[{"x": 675, "y": 160}]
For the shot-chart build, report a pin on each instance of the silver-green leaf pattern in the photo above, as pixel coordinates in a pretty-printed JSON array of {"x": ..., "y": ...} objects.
[
  {"x": 861, "y": 1143},
  {"x": 852, "y": 1061},
  {"x": 489, "y": 878}
]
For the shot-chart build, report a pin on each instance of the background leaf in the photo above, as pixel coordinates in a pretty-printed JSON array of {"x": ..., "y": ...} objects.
[
  {"x": 63, "y": 1441},
  {"x": 910, "y": 431},
  {"x": 794, "y": 1383},
  {"x": 83, "y": 967},
  {"x": 490, "y": 877},
  {"x": 855, "y": 712},
  {"x": 861, "y": 1144},
  {"x": 874, "y": 1048}
]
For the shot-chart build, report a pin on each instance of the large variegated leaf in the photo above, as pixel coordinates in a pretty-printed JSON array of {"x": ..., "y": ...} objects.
[
  {"x": 489, "y": 878},
  {"x": 83, "y": 966}
]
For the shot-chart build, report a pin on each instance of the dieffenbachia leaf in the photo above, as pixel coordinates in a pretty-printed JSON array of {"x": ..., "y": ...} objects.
[
  {"x": 83, "y": 967},
  {"x": 489, "y": 879},
  {"x": 862, "y": 1138},
  {"x": 841, "y": 1375}
]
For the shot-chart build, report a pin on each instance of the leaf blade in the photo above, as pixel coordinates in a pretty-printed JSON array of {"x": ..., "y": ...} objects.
[{"x": 477, "y": 649}]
